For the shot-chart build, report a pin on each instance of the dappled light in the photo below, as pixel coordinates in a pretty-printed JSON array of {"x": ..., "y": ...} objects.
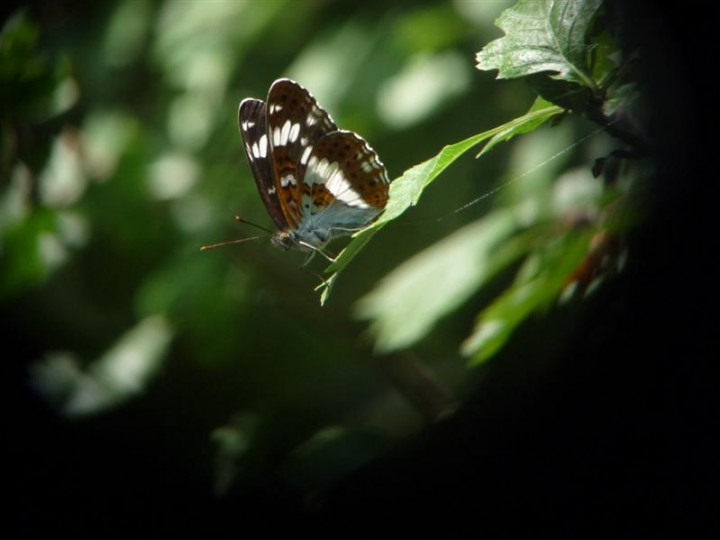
[
  {"x": 62, "y": 182},
  {"x": 119, "y": 374},
  {"x": 172, "y": 176},
  {"x": 126, "y": 32},
  {"x": 441, "y": 77},
  {"x": 105, "y": 137}
]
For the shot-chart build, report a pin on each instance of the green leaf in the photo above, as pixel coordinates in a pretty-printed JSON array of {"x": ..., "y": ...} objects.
[
  {"x": 542, "y": 36},
  {"x": 540, "y": 112},
  {"x": 625, "y": 96},
  {"x": 538, "y": 284},
  {"x": 406, "y": 190},
  {"x": 607, "y": 59},
  {"x": 568, "y": 95},
  {"x": 410, "y": 300}
]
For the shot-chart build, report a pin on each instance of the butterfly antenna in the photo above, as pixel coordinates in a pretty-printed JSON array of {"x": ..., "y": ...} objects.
[
  {"x": 228, "y": 242},
  {"x": 246, "y": 222},
  {"x": 239, "y": 240}
]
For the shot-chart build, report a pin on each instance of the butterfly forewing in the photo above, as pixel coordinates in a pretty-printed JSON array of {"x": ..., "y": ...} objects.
[
  {"x": 252, "y": 120},
  {"x": 295, "y": 122}
]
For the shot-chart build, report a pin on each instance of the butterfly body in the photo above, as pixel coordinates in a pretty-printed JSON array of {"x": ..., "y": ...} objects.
[{"x": 317, "y": 181}]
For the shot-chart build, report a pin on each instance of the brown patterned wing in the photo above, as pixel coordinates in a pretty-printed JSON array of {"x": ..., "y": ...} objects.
[
  {"x": 345, "y": 181},
  {"x": 295, "y": 122},
  {"x": 252, "y": 121}
]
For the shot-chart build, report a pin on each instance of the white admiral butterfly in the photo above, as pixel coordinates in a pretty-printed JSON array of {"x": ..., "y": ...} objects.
[{"x": 317, "y": 181}]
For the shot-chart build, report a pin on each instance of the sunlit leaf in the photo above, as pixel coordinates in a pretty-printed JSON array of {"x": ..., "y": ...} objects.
[
  {"x": 543, "y": 36},
  {"x": 540, "y": 112}
]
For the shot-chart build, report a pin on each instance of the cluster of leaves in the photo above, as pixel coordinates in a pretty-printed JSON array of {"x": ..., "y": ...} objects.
[{"x": 561, "y": 248}]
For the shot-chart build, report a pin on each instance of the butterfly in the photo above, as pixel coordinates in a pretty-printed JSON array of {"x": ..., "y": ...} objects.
[{"x": 317, "y": 181}]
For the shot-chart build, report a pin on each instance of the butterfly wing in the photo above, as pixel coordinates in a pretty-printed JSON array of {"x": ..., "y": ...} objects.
[
  {"x": 252, "y": 120},
  {"x": 346, "y": 186},
  {"x": 295, "y": 123}
]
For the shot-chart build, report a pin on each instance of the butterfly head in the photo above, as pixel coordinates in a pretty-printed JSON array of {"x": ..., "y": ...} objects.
[
  {"x": 312, "y": 240},
  {"x": 284, "y": 240}
]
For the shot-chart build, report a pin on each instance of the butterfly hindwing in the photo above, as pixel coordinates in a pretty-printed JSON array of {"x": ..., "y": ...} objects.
[
  {"x": 345, "y": 188},
  {"x": 343, "y": 169}
]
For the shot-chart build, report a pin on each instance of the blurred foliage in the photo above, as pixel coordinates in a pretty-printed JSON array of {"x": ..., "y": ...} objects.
[{"x": 121, "y": 157}]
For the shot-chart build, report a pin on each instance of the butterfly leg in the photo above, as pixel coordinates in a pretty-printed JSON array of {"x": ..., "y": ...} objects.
[
  {"x": 313, "y": 250},
  {"x": 329, "y": 257},
  {"x": 308, "y": 259}
]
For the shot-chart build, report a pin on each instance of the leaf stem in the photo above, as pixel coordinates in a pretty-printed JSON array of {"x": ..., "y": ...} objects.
[{"x": 612, "y": 127}]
